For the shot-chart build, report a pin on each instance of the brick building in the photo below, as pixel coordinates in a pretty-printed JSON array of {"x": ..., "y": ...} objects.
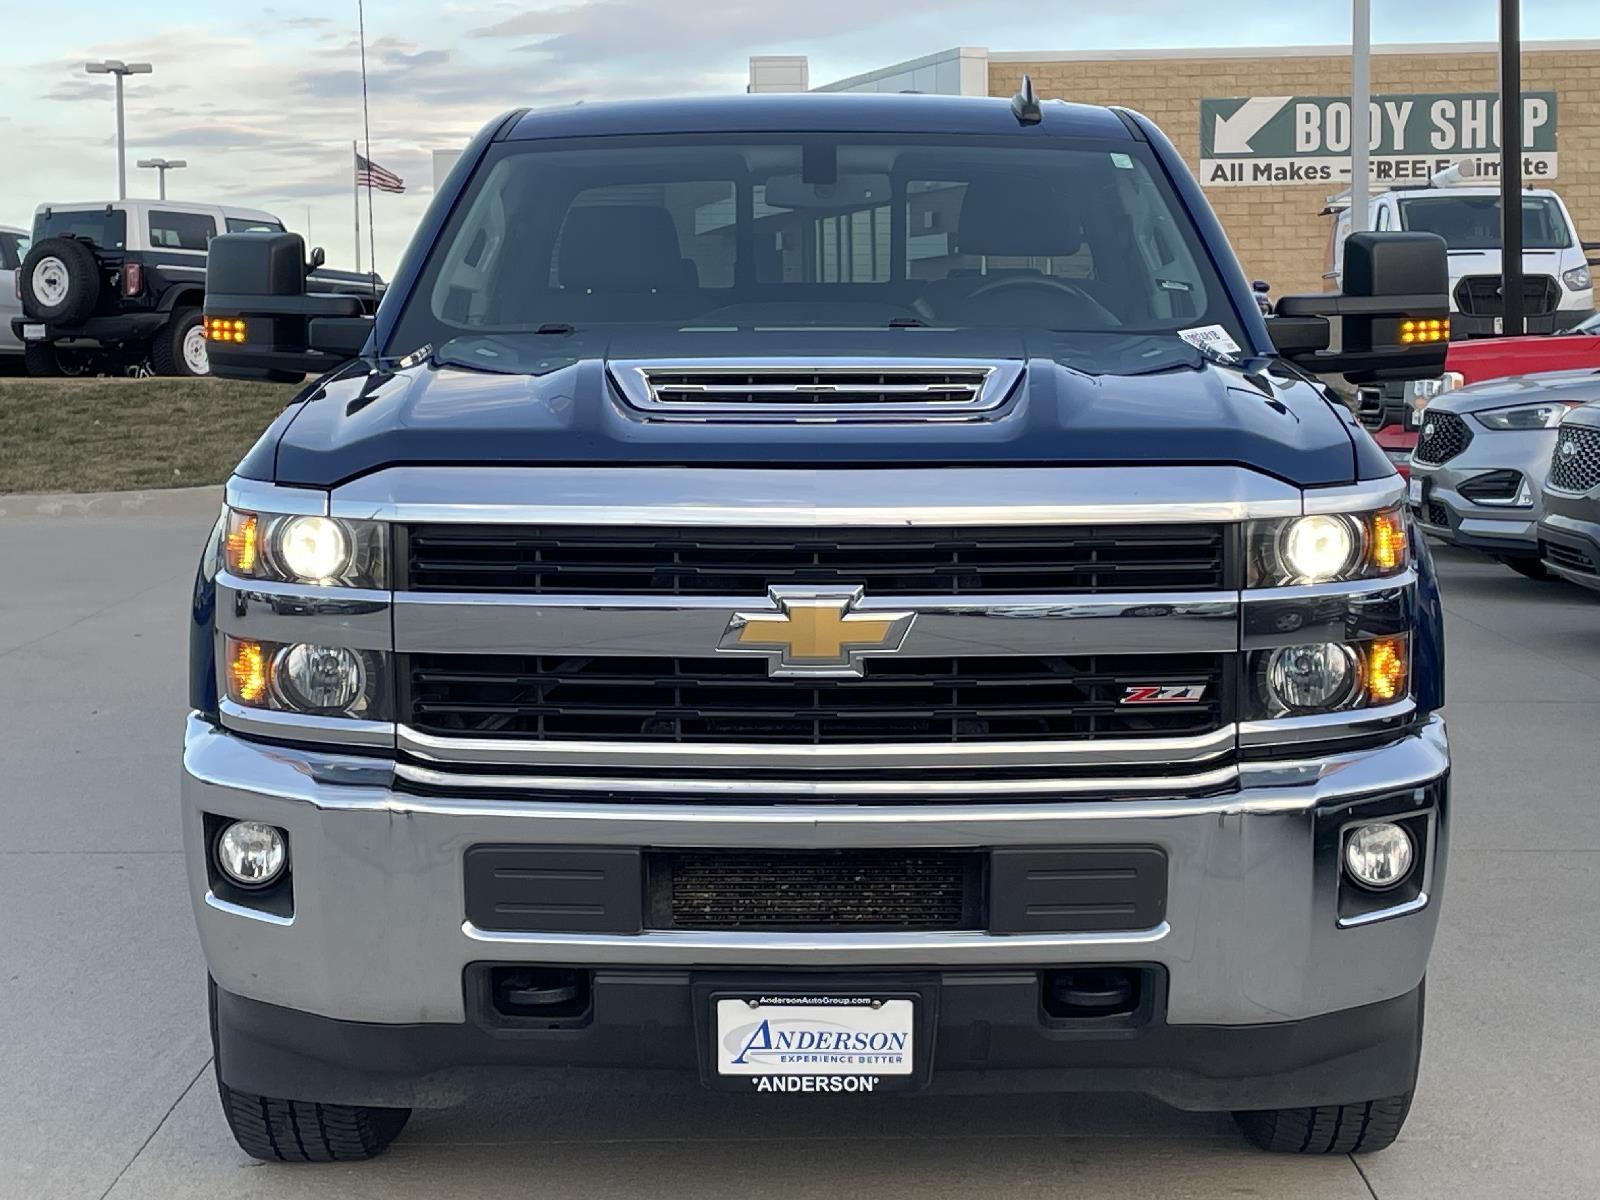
[{"x": 1276, "y": 225}]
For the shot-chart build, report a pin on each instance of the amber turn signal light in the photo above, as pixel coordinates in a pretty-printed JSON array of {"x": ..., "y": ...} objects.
[
  {"x": 224, "y": 329},
  {"x": 249, "y": 672},
  {"x": 243, "y": 542},
  {"x": 1387, "y": 669},
  {"x": 1431, "y": 329},
  {"x": 1387, "y": 541}
]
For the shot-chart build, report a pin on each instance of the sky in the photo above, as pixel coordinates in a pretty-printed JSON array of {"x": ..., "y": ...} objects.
[{"x": 263, "y": 101}]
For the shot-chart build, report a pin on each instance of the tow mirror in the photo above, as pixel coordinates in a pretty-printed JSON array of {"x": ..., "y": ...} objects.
[
  {"x": 262, "y": 323},
  {"x": 1394, "y": 312}
]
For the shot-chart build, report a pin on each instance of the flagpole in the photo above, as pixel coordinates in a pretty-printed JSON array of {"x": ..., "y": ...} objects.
[{"x": 355, "y": 180}]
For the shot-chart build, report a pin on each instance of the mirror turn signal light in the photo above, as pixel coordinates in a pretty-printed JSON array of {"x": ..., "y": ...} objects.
[
  {"x": 225, "y": 329},
  {"x": 249, "y": 671},
  {"x": 1387, "y": 669},
  {"x": 1431, "y": 329}
]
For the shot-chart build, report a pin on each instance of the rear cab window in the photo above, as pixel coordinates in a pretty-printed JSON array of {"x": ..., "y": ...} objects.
[
  {"x": 181, "y": 230},
  {"x": 107, "y": 230}
]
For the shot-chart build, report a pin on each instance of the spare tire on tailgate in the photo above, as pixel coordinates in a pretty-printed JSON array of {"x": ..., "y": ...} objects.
[{"x": 60, "y": 280}]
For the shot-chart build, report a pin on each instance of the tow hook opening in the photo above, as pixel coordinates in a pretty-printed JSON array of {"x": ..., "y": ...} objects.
[
  {"x": 1083, "y": 992},
  {"x": 539, "y": 993}
]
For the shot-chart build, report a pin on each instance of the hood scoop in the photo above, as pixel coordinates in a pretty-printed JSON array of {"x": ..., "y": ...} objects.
[{"x": 829, "y": 391}]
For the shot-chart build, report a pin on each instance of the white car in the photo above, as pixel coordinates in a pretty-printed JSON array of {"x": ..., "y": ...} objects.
[
  {"x": 13, "y": 245},
  {"x": 1558, "y": 290}
]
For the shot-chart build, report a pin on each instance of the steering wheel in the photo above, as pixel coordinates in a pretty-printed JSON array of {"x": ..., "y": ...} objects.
[{"x": 1047, "y": 283}]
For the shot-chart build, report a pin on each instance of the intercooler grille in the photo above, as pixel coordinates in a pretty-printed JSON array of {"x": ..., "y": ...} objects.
[
  {"x": 921, "y": 560},
  {"x": 843, "y": 889},
  {"x": 1444, "y": 435},
  {"x": 1575, "y": 466},
  {"x": 731, "y": 700}
]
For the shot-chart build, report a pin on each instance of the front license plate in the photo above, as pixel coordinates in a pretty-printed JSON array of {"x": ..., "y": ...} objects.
[
  {"x": 1414, "y": 492},
  {"x": 33, "y": 333},
  {"x": 772, "y": 1036}
]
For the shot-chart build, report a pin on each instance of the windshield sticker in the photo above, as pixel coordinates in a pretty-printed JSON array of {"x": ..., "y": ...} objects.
[
  {"x": 1210, "y": 337},
  {"x": 1122, "y": 162}
]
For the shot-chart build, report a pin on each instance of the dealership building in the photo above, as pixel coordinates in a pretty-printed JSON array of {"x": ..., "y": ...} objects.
[{"x": 1267, "y": 130}]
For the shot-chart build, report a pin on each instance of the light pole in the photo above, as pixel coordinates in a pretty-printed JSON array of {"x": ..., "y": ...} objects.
[
  {"x": 162, "y": 166},
  {"x": 115, "y": 66}
]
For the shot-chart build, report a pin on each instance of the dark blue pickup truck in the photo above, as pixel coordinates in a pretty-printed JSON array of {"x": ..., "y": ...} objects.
[{"x": 822, "y": 594}]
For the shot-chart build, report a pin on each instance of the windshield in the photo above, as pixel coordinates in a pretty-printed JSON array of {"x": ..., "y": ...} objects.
[
  {"x": 1473, "y": 222},
  {"x": 815, "y": 232},
  {"x": 1592, "y": 325},
  {"x": 108, "y": 230}
]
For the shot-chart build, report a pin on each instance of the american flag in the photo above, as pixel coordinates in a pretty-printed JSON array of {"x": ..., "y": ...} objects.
[{"x": 370, "y": 174}]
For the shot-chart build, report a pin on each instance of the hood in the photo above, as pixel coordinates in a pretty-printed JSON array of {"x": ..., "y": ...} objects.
[
  {"x": 568, "y": 411},
  {"x": 1570, "y": 387}
]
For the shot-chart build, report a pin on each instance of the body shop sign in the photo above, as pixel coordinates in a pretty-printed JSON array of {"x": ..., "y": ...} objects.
[{"x": 1289, "y": 140}]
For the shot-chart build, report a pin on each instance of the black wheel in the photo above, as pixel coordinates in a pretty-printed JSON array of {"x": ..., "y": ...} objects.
[
  {"x": 180, "y": 347},
  {"x": 44, "y": 360},
  {"x": 292, "y": 1131},
  {"x": 304, "y": 1131},
  {"x": 1328, "y": 1128},
  {"x": 60, "y": 281},
  {"x": 1528, "y": 568}
]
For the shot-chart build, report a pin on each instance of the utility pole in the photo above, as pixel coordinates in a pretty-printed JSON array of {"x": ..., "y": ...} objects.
[
  {"x": 1360, "y": 114},
  {"x": 161, "y": 167},
  {"x": 1511, "y": 165},
  {"x": 115, "y": 66}
]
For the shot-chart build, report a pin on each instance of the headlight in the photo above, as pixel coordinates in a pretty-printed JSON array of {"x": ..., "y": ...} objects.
[
  {"x": 1317, "y": 549},
  {"x": 1524, "y": 416},
  {"x": 326, "y": 681},
  {"x": 1325, "y": 677},
  {"x": 1577, "y": 279},
  {"x": 1327, "y": 548},
  {"x": 306, "y": 549},
  {"x": 1314, "y": 678}
]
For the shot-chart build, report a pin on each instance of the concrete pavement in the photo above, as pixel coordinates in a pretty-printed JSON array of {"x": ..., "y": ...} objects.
[{"x": 105, "y": 1083}]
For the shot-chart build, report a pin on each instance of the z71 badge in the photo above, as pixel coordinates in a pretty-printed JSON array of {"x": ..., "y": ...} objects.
[{"x": 1157, "y": 694}]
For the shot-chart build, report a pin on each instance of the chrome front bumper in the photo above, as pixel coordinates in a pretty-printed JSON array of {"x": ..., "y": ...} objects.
[{"x": 1252, "y": 933}]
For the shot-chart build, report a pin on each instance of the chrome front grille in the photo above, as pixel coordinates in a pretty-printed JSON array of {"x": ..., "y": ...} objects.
[
  {"x": 1575, "y": 465},
  {"x": 893, "y": 561},
  {"x": 900, "y": 700},
  {"x": 830, "y": 390}
]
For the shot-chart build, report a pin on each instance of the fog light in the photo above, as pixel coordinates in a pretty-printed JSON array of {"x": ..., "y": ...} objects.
[
  {"x": 252, "y": 854},
  {"x": 318, "y": 679},
  {"x": 1379, "y": 856},
  {"x": 1312, "y": 678}
]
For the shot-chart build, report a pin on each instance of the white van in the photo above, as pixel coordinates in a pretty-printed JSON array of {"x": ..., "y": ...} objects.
[{"x": 1558, "y": 290}]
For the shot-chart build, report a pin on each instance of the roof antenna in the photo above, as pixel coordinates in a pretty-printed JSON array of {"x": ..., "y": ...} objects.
[{"x": 1025, "y": 104}]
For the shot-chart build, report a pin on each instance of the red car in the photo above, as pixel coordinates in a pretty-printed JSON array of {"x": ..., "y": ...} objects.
[{"x": 1391, "y": 412}]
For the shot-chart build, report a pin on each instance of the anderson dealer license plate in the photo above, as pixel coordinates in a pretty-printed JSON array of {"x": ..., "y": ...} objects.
[{"x": 851, "y": 1039}]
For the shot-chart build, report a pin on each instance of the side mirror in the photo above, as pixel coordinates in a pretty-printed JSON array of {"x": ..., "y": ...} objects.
[
  {"x": 1394, "y": 312},
  {"x": 262, "y": 323},
  {"x": 318, "y": 257}
]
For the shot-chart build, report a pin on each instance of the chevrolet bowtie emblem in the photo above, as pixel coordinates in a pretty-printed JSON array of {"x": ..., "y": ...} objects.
[{"x": 815, "y": 632}]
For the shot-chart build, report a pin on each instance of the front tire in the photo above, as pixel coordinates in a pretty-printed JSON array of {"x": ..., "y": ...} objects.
[
  {"x": 1328, "y": 1128},
  {"x": 180, "y": 347},
  {"x": 304, "y": 1131}
]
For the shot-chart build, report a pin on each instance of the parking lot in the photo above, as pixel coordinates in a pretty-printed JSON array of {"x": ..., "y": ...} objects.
[{"x": 105, "y": 1083}]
